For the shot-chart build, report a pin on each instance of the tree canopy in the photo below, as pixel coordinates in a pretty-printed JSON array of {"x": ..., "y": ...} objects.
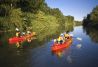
[
  {"x": 92, "y": 18},
  {"x": 31, "y": 13}
]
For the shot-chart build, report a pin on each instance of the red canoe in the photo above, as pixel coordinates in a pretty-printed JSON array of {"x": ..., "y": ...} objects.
[
  {"x": 66, "y": 44},
  {"x": 19, "y": 39},
  {"x": 16, "y": 39}
]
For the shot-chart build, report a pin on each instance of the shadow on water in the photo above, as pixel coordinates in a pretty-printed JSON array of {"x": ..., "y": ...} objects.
[
  {"x": 92, "y": 32},
  {"x": 60, "y": 53}
]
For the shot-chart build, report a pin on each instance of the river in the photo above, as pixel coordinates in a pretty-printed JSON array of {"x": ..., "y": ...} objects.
[{"x": 81, "y": 53}]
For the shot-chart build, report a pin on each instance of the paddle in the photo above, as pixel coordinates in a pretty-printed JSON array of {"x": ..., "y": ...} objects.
[{"x": 78, "y": 38}]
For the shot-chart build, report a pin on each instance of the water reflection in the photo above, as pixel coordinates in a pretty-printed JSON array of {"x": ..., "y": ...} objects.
[
  {"x": 61, "y": 52},
  {"x": 79, "y": 54},
  {"x": 92, "y": 32},
  {"x": 0, "y": 43},
  {"x": 34, "y": 55},
  {"x": 69, "y": 59},
  {"x": 58, "y": 53},
  {"x": 79, "y": 46}
]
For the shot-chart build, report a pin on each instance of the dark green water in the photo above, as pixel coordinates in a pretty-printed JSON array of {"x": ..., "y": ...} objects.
[{"x": 82, "y": 53}]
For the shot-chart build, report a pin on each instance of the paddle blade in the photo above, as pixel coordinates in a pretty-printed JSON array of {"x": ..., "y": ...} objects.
[{"x": 78, "y": 38}]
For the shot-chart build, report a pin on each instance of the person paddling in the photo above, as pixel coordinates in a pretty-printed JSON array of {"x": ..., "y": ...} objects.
[
  {"x": 66, "y": 36},
  {"x": 17, "y": 32},
  {"x": 17, "y": 35},
  {"x": 29, "y": 39},
  {"x": 60, "y": 40}
]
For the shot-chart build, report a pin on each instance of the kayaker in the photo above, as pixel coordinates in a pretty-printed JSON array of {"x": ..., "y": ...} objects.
[
  {"x": 29, "y": 39},
  {"x": 55, "y": 41},
  {"x": 23, "y": 33},
  {"x": 66, "y": 36},
  {"x": 28, "y": 32},
  {"x": 17, "y": 32},
  {"x": 63, "y": 36},
  {"x": 60, "y": 40}
]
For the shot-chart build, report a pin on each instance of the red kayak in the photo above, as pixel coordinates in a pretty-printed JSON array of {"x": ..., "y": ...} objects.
[
  {"x": 16, "y": 39},
  {"x": 66, "y": 44},
  {"x": 19, "y": 39}
]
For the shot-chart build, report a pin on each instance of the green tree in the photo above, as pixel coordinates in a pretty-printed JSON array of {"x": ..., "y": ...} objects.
[
  {"x": 4, "y": 10},
  {"x": 30, "y": 5},
  {"x": 15, "y": 18},
  {"x": 92, "y": 18},
  {"x": 94, "y": 14}
]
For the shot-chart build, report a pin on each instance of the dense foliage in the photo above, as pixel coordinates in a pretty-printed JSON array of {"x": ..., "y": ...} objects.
[
  {"x": 77, "y": 23},
  {"x": 35, "y": 15},
  {"x": 92, "y": 18}
]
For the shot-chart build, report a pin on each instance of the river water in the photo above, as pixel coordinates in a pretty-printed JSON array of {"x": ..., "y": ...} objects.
[{"x": 81, "y": 53}]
